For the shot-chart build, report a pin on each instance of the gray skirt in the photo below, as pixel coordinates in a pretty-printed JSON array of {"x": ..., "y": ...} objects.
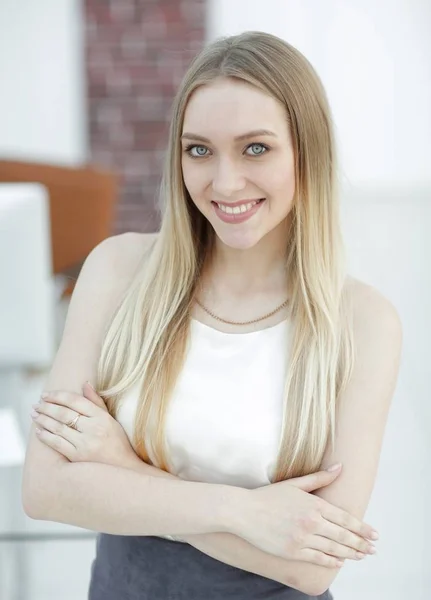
[{"x": 154, "y": 568}]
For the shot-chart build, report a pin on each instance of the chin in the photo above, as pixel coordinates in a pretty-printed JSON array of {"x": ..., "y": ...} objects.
[{"x": 239, "y": 240}]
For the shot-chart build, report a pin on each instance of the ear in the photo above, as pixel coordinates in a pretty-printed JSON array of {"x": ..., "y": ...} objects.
[{"x": 90, "y": 393}]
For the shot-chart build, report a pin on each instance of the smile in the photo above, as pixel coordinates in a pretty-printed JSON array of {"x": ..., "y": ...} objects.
[
  {"x": 236, "y": 210},
  {"x": 237, "y": 213}
]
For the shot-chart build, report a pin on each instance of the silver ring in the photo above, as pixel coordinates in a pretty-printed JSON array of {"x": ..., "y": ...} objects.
[{"x": 73, "y": 423}]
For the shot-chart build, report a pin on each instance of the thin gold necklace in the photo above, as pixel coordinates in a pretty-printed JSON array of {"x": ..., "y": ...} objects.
[{"x": 243, "y": 322}]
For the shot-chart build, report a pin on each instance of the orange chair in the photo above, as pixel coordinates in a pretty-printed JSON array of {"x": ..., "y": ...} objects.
[{"x": 82, "y": 202}]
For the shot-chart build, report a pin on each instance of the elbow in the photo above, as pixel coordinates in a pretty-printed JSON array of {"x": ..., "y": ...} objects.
[
  {"x": 315, "y": 590},
  {"x": 30, "y": 509},
  {"x": 37, "y": 495},
  {"x": 32, "y": 502},
  {"x": 319, "y": 585},
  {"x": 312, "y": 582},
  {"x": 311, "y": 588}
]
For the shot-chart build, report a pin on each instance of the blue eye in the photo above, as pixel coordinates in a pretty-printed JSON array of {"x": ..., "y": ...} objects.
[
  {"x": 262, "y": 149},
  {"x": 191, "y": 147}
]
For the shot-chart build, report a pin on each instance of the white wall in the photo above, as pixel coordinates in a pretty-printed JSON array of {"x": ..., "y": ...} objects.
[
  {"x": 374, "y": 60},
  {"x": 42, "y": 98}
]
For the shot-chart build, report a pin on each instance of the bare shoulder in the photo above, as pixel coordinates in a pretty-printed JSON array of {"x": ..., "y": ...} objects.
[
  {"x": 102, "y": 283},
  {"x": 373, "y": 313},
  {"x": 122, "y": 253},
  {"x": 112, "y": 264}
]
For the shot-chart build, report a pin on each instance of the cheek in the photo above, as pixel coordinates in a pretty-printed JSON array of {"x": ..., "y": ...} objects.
[
  {"x": 193, "y": 181},
  {"x": 282, "y": 182},
  {"x": 284, "y": 185}
]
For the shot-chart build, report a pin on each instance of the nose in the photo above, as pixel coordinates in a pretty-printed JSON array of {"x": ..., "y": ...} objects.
[{"x": 227, "y": 178}]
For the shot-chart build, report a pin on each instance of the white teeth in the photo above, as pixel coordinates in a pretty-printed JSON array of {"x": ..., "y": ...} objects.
[{"x": 236, "y": 210}]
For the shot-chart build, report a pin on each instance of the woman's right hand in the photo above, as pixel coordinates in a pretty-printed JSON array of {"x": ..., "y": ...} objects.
[{"x": 288, "y": 521}]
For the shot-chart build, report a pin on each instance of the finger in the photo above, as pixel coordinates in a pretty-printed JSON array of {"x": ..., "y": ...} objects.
[
  {"x": 56, "y": 443},
  {"x": 91, "y": 394},
  {"x": 58, "y": 429},
  {"x": 346, "y": 538},
  {"x": 76, "y": 402},
  {"x": 328, "y": 546},
  {"x": 315, "y": 481},
  {"x": 320, "y": 558},
  {"x": 347, "y": 521},
  {"x": 59, "y": 413}
]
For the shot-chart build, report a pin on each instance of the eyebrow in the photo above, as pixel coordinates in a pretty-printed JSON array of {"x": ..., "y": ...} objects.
[{"x": 238, "y": 138}]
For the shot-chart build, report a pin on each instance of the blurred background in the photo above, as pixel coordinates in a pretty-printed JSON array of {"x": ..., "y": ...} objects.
[{"x": 86, "y": 87}]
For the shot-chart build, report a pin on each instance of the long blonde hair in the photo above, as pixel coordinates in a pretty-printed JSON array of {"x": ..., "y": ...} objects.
[{"x": 146, "y": 342}]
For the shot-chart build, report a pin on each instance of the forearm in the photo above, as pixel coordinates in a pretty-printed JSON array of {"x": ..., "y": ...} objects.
[
  {"x": 237, "y": 552},
  {"x": 121, "y": 501}
]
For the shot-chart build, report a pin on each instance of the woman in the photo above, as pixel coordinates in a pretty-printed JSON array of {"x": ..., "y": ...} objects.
[{"x": 233, "y": 351}]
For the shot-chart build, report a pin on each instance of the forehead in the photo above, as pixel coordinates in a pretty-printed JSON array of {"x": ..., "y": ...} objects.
[{"x": 227, "y": 105}]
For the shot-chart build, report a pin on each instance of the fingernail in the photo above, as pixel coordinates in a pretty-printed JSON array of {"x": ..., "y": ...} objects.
[
  {"x": 34, "y": 414},
  {"x": 374, "y": 535},
  {"x": 38, "y": 431},
  {"x": 44, "y": 395},
  {"x": 334, "y": 467}
]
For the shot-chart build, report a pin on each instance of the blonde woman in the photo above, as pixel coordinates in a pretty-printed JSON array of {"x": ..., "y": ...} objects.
[{"x": 232, "y": 358}]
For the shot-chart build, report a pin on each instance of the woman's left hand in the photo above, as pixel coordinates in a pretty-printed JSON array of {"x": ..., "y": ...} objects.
[{"x": 95, "y": 437}]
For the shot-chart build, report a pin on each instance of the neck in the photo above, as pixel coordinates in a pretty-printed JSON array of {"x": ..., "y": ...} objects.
[{"x": 242, "y": 272}]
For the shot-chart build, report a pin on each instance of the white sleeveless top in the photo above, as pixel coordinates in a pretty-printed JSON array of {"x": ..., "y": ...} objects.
[{"x": 225, "y": 416}]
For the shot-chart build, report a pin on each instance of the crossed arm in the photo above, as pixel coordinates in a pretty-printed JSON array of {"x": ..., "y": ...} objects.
[{"x": 361, "y": 420}]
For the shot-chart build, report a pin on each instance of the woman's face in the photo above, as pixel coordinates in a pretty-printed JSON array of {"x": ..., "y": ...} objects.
[{"x": 237, "y": 161}]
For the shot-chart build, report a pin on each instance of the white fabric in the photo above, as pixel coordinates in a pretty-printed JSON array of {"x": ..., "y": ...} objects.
[{"x": 225, "y": 416}]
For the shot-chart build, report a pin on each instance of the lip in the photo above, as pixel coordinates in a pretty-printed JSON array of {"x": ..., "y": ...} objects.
[{"x": 238, "y": 218}]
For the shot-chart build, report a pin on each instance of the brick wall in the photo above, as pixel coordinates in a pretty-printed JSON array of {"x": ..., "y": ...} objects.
[{"x": 136, "y": 53}]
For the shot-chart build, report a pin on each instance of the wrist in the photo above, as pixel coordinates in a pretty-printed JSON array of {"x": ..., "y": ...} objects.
[{"x": 234, "y": 508}]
